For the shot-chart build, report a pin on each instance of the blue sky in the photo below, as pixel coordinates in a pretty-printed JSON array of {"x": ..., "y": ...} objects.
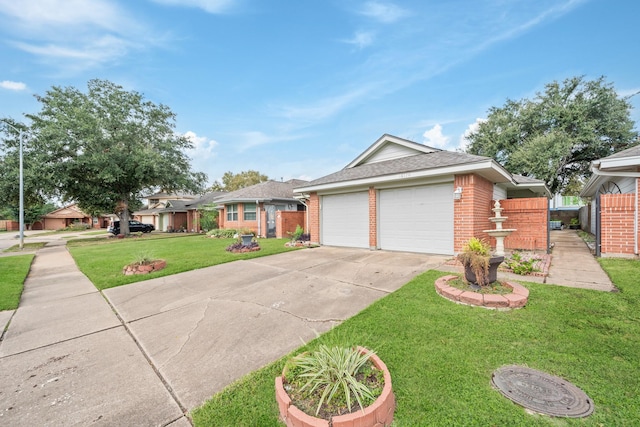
[{"x": 299, "y": 88}]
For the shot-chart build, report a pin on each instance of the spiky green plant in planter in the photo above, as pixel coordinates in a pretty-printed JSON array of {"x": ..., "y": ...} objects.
[
  {"x": 333, "y": 374},
  {"x": 475, "y": 256}
]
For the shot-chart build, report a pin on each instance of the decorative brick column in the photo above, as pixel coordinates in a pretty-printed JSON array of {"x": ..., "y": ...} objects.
[
  {"x": 373, "y": 219},
  {"x": 314, "y": 217},
  {"x": 472, "y": 211}
]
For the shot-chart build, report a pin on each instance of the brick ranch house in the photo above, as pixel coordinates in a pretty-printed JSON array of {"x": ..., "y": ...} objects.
[
  {"x": 68, "y": 215},
  {"x": 269, "y": 209},
  {"x": 613, "y": 189},
  {"x": 405, "y": 196}
]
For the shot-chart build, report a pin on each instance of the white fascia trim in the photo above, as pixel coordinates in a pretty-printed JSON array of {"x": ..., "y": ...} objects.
[
  {"x": 399, "y": 177},
  {"x": 620, "y": 162}
]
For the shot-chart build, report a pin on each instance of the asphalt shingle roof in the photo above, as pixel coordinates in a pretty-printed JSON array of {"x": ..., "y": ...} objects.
[
  {"x": 264, "y": 191},
  {"x": 629, "y": 152},
  {"x": 437, "y": 159}
]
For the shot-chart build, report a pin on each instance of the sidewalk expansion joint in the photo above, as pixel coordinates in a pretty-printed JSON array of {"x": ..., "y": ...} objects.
[{"x": 164, "y": 382}]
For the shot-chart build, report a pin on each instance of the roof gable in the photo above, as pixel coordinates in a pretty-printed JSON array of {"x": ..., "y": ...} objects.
[
  {"x": 389, "y": 147},
  {"x": 69, "y": 211},
  {"x": 264, "y": 191}
]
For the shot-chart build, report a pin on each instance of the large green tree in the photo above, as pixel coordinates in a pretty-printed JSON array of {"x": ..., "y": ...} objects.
[
  {"x": 556, "y": 135},
  {"x": 105, "y": 147},
  {"x": 235, "y": 181}
]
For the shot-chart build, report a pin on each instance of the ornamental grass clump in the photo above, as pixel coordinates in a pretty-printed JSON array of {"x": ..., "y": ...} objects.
[
  {"x": 331, "y": 378},
  {"x": 475, "y": 255}
]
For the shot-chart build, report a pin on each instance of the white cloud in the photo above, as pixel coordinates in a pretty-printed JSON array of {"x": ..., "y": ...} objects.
[
  {"x": 8, "y": 84},
  {"x": 210, "y": 6},
  {"x": 201, "y": 144},
  {"x": 472, "y": 128},
  {"x": 325, "y": 107},
  {"x": 386, "y": 13},
  {"x": 434, "y": 137},
  {"x": 361, "y": 39},
  {"x": 73, "y": 34}
]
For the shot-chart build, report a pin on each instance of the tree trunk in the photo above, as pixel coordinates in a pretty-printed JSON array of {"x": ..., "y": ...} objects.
[{"x": 123, "y": 214}]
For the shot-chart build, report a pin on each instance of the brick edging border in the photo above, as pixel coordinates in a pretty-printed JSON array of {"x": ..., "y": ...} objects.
[
  {"x": 379, "y": 413},
  {"x": 517, "y": 299}
]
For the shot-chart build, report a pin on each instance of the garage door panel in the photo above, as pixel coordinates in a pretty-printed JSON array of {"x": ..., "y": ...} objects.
[
  {"x": 345, "y": 220},
  {"x": 417, "y": 219}
]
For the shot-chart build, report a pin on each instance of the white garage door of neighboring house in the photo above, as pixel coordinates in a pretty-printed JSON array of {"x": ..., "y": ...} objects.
[
  {"x": 417, "y": 219},
  {"x": 345, "y": 220}
]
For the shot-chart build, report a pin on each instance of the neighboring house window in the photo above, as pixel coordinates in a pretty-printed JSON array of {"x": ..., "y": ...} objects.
[
  {"x": 249, "y": 211},
  {"x": 232, "y": 212}
]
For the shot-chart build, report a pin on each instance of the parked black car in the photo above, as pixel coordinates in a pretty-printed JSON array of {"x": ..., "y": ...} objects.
[{"x": 134, "y": 227}]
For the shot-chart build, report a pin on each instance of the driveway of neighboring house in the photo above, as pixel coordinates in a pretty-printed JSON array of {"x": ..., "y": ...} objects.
[{"x": 146, "y": 353}]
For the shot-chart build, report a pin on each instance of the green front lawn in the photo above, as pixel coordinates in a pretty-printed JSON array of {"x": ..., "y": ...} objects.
[
  {"x": 441, "y": 355},
  {"x": 102, "y": 260},
  {"x": 13, "y": 272}
]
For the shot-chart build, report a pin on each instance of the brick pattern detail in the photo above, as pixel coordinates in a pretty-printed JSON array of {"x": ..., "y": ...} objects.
[
  {"x": 288, "y": 221},
  {"x": 373, "y": 218},
  {"x": 314, "y": 217},
  {"x": 471, "y": 213},
  {"x": 617, "y": 213},
  {"x": 529, "y": 218},
  {"x": 517, "y": 299}
]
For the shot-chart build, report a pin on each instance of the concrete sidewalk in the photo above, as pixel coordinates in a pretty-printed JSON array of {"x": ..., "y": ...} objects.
[
  {"x": 573, "y": 265},
  {"x": 149, "y": 352},
  {"x": 66, "y": 359}
]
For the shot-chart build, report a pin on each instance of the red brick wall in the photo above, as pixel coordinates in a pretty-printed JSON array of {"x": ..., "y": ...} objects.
[
  {"x": 241, "y": 223},
  {"x": 314, "y": 217},
  {"x": 617, "y": 213},
  {"x": 373, "y": 218},
  {"x": 9, "y": 225},
  {"x": 471, "y": 213},
  {"x": 287, "y": 222},
  {"x": 529, "y": 218}
]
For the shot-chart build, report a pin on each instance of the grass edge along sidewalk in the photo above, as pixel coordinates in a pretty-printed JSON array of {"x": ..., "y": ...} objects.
[
  {"x": 441, "y": 355},
  {"x": 13, "y": 273}
]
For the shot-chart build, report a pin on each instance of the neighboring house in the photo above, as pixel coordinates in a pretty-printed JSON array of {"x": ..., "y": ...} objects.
[
  {"x": 564, "y": 208},
  {"x": 163, "y": 217},
  {"x": 68, "y": 215},
  {"x": 269, "y": 209},
  {"x": 195, "y": 208},
  {"x": 405, "y": 196},
  {"x": 614, "y": 188}
]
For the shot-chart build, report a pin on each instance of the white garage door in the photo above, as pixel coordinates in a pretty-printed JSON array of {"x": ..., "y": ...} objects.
[
  {"x": 417, "y": 219},
  {"x": 345, "y": 220}
]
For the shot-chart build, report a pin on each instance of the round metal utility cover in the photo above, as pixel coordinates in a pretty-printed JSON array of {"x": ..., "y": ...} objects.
[{"x": 541, "y": 392}]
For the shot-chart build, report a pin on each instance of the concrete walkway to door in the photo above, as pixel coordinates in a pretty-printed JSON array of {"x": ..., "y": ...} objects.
[{"x": 573, "y": 265}]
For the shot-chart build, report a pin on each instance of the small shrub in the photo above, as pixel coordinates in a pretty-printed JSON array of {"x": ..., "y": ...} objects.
[
  {"x": 143, "y": 258},
  {"x": 520, "y": 265},
  {"x": 222, "y": 233},
  {"x": 334, "y": 373},
  {"x": 240, "y": 247},
  {"x": 296, "y": 235},
  {"x": 475, "y": 255}
]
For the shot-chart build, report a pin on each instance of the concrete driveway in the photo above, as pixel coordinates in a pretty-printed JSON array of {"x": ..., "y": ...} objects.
[{"x": 146, "y": 353}]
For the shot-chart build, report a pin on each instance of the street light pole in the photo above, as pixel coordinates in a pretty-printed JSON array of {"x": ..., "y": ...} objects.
[{"x": 21, "y": 186}]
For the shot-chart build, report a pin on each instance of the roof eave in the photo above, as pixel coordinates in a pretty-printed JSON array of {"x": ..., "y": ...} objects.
[{"x": 487, "y": 168}]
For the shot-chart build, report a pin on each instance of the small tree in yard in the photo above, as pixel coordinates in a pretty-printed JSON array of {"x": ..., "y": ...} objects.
[{"x": 104, "y": 148}]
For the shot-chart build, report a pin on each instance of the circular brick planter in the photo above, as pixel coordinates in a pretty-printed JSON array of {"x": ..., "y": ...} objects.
[
  {"x": 144, "y": 268},
  {"x": 517, "y": 299},
  {"x": 378, "y": 414}
]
